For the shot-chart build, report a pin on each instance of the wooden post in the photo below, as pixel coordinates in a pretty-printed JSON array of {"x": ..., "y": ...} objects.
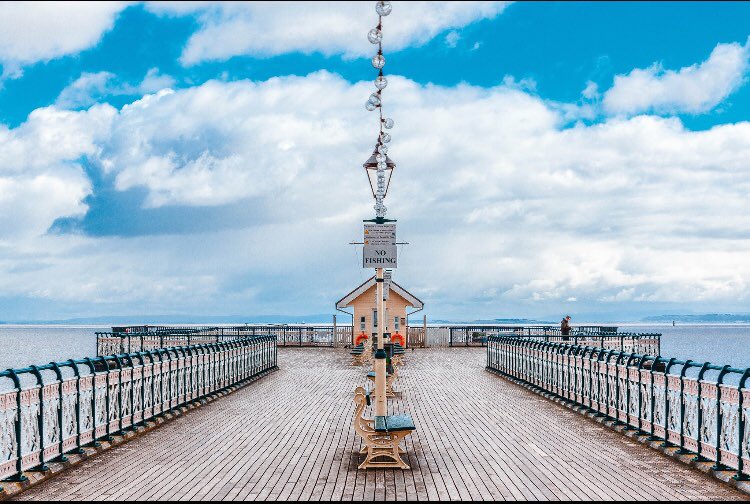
[
  {"x": 381, "y": 405},
  {"x": 424, "y": 330},
  {"x": 334, "y": 341}
]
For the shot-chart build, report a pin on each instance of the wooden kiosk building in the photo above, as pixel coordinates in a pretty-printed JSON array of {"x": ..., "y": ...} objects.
[{"x": 364, "y": 318}]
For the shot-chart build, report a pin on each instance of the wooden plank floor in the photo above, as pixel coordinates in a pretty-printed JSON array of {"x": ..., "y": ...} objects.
[{"x": 290, "y": 436}]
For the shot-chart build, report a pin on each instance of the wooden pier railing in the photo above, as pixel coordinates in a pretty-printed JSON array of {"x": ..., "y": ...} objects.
[
  {"x": 50, "y": 410},
  {"x": 700, "y": 408}
]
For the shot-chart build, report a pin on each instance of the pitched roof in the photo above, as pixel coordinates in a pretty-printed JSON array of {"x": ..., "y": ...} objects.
[{"x": 367, "y": 284}]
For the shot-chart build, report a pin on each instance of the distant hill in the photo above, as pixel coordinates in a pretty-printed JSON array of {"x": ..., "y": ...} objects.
[
  {"x": 724, "y": 318},
  {"x": 502, "y": 321}
]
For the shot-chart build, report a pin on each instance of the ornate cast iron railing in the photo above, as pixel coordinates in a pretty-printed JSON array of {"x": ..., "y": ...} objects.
[
  {"x": 698, "y": 407},
  {"x": 600, "y": 336},
  {"x": 140, "y": 338},
  {"x": 58, "y": 408}
]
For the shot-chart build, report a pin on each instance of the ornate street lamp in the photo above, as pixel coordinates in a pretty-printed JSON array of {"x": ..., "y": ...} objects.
[
  {"x": 373, "y": 172},
  {"x": 379, "y": 167}
]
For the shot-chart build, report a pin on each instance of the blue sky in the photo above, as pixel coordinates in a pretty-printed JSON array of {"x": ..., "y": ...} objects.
[{"x": 178, "y": 158}]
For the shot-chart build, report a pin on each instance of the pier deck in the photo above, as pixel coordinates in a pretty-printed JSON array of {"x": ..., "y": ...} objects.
[{"x": 290, "y": 436}]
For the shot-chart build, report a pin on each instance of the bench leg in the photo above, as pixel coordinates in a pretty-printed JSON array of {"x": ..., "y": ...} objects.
[
  {"x": 364, "y": 450},
  {"x": 385, "y": 453},
  {"x": 389, "y": 387}
]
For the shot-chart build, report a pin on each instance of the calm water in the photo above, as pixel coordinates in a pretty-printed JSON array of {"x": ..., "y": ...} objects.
[
  {"x": 22, "y": 346},
  {"x": 716, "y": 343},
  {"x": 719, "y": 344}
]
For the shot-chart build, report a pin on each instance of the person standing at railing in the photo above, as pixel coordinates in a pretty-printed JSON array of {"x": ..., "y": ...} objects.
[{"x": 565, "y": 328}]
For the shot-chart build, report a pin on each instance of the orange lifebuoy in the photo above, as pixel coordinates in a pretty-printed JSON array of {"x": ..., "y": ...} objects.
[
  {"x": 398, "y": 338},
  {"x": 359, "y": 339}
]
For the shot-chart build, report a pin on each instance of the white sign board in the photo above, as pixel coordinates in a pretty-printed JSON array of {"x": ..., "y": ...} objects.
[
  {"x": 380, "y": 246},
  {"x": 387, "y": 277}
]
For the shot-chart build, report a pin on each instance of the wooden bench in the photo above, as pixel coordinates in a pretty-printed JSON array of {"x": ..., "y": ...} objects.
[
  {"x": 398, "y": 354},
  {"x": 382, "y": 435},
  {"x": 361, "y": 354},
  {"x": 389, "y": 379}
]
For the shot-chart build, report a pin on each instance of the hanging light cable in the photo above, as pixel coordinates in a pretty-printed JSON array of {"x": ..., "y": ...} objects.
[{"x": 375, "y": 102}]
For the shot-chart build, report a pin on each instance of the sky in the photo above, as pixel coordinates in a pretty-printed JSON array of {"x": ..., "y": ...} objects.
[{"x": 198, "y": 158}]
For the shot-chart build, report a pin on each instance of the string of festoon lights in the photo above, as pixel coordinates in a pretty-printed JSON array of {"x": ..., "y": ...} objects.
[{"x": 375, "y": 102}]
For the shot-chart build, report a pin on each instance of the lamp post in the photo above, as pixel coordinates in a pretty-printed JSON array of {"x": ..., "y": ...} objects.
[{"x": 380, "y": 237}]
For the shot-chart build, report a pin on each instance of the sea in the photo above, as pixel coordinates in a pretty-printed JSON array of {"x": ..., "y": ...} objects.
[{"x": 721, "y": 344}]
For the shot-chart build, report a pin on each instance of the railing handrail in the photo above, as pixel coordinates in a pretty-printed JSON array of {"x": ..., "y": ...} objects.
[
  {"x": 655, "y": 358},
  {"x": 133, "y": 337},
  {"x": 99, "y": 358}
]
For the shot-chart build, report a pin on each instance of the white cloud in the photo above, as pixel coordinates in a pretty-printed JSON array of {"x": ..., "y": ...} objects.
[
  {"x": 492, "y": 189},
  {"x": 694, "y": 89},
  {"x": 222, "y": 142},
  {"x": 591, "y": 91},
  {"x": 41, "y": 178},
  {"x": 155, "y": 81},
  {"x": 40, "y": 31},
  {"x": 452, "y": 38},
  {"x": 91, "y": 88},
  {"x": 86, "y": 90},
  {"x": 268, "y": 29}
]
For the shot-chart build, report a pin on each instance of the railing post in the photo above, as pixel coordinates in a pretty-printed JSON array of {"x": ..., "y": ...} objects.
[
  {"x": 599, "y": 358},
  {"x": 654, "y": 363},
  {"x": 699, "y": 455},
  {"x": 77, "y": 374},
  {"x": 40, "y": 418},
  {"x": 19, "y": 476},
  {"x": 161, "y": 381},
  {"x": 740, "y": 474},
  {"x": 92, "y": 368},
  {"x": 629, "y": 397},
  {"x": 142, "y": 391},
  {"x": 681, "y": 449},
  {"x": 718, "y": 466},
  {"x": 591, "y": 377},
  {"x": 119, "y": 395},
  {"x": 667, "y": 367},
  {"x": 617, "y": 388},
  {"x": 107, "y": 407},
  {"x": 61, "y": 398}
]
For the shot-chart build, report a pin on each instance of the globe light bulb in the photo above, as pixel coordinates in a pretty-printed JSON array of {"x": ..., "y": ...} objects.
[
  {"x": 380, "y": 158},
  {"x": 378, "y": 61},
  {"x": 388, "y": 123},
  {"x": 375, "y": 36},
  {"x": 369, "y": 106},
  {"x": 382, "y": 149},
  {"x": 382, "y": 166},
  {"x": 380, "y": 209},
  {"x": 385, "y": 137},
  {"x": 381, "y": 82},
  {"x": 383, "y": 8},
  {"x": 374, "y": 99}
]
